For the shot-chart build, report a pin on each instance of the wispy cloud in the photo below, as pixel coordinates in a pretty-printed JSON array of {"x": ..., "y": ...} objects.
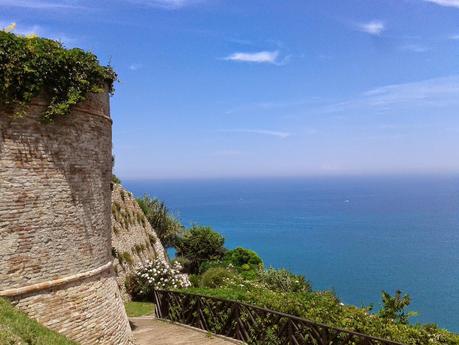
[
  {"x": 446, "y": 3},
  {"x": 454, "y": 37},
  {"x": 167, "y": 4},
  {"x": 38, "y": 4},
  {"x": 375, "y": 27},
  {"x": 270, "y": 57},
  {"x": 415, "y": 48},
  {"x": 135, "y": 66},
  {"x": 278, "y": 134},
  {"x": 426, "y": 94}
]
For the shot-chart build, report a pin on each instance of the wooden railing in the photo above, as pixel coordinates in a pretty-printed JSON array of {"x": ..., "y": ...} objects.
[{"x": 250, "y": 324}]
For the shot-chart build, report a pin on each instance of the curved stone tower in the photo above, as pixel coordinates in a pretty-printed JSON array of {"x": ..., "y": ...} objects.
[{"x": 55, "y": 221}]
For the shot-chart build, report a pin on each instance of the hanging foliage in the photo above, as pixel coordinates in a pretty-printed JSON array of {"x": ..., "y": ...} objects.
[{"x": 31, "y": 65}]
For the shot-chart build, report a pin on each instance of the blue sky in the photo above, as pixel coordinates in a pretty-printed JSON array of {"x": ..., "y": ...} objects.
[{"x": 234, "y": 88}]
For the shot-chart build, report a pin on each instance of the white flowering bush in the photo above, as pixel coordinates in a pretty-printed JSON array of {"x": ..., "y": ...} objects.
[{"x": 156, "y": 275}]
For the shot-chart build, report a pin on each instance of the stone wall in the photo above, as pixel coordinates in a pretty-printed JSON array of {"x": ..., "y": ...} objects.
[
  {"x": 55, "y": 221},
  {"x": 133, "y": 239}
]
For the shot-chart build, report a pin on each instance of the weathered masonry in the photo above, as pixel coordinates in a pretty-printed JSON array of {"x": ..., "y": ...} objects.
[{"x": 55, "y": 221}]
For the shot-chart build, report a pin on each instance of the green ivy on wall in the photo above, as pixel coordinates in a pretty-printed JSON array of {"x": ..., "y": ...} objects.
[{"x": 30, "y": 66}]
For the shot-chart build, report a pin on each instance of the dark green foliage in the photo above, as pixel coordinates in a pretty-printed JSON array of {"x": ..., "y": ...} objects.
[
  {"x": 200, "y": 244},
  {"x": 167, "y": 227},
  {"x": 30, "y": 66},
  {"x": 216, "y": 277},
  {"x": 241, "y": 257},
  {"x": 394, "y": 307},
  {"x": 114, "y": 252}
]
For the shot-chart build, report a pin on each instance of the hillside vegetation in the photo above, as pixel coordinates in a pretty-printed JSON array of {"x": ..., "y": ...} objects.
[
  {"x": 240, "y": 275},
  {"x": 17, "y": 329}
]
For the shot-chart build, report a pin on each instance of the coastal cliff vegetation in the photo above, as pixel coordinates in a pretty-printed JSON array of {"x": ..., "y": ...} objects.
[{"x": 240, "y": 275}]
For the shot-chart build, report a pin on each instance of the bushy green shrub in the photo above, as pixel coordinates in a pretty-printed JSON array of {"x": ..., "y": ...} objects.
[
  {"x": 166, "y": 225},
  {"x": 216, "y": 277},
  {"x": 243, "y": 258},
  {"x": 200, "y": 244},
  {"x": 283, "y": 281}
]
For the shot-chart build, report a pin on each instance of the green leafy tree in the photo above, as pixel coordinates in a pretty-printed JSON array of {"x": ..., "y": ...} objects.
[
  {"x": 240, "y": 257},
  {"x": 394, "y": 307},
  {"x": 200, "y": 244},
  {"x": 167, "y": 226}
]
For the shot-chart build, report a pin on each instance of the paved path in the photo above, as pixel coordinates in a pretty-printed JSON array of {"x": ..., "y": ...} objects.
[{"x": 150, "y": 331}]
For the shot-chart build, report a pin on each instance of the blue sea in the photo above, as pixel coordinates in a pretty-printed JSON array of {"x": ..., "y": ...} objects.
[{"x": 356, "y": 236}]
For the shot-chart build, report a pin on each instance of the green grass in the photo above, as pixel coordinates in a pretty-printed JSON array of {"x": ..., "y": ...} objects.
[
  {"x": 134, "y": 309},
  {"x": 17, "y": 328}
]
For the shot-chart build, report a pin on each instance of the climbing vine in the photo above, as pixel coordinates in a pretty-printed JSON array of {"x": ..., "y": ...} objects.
[{"x": 30, "y": 66}]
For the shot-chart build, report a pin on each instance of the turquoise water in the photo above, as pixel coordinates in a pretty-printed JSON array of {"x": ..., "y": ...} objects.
[{"x": 354, "y": 235}]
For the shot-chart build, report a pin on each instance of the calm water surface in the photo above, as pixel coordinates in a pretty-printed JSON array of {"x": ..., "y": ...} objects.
[{"x": 354, "y": 235}]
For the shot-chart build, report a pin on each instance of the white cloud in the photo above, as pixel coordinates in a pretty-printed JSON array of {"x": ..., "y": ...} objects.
[
  {"x": 434, "y": 93},
  {"x": 278, "y": 134},
  {"x": 446, "y": 3},
  {"x": 38, "y": 4},
  {"x": 415, "y": 48},
  {"x": 167, "y": 4},
  {"x": 375, "y": 27},
  {"x": 256, "y": 57},
  {"x": 454, "y": 37},
  {"x": 135, "y": 66}
]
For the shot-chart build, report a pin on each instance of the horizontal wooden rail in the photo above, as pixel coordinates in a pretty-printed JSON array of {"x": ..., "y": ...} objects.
[{"x": 251, "y": 324}]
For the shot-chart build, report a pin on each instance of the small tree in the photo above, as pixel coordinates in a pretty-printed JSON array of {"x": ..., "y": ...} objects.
[
  {"x": 167, "y": 226},
  {"x": 394, "y": 307},
  {"x": 198, "y": 245},
  {"x": 240, "y": 257}
]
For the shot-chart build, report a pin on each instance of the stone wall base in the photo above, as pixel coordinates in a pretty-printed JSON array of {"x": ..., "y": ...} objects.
[{"x": 89, "y": 311}]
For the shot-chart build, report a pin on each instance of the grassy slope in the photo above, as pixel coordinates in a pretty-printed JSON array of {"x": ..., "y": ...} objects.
[
  {"x": 16, "y": 328},
  {"x": 134, "y": 309}
]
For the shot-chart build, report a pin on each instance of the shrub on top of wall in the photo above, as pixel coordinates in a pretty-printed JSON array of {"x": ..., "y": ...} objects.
[{"x": 31, "y": 65}]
